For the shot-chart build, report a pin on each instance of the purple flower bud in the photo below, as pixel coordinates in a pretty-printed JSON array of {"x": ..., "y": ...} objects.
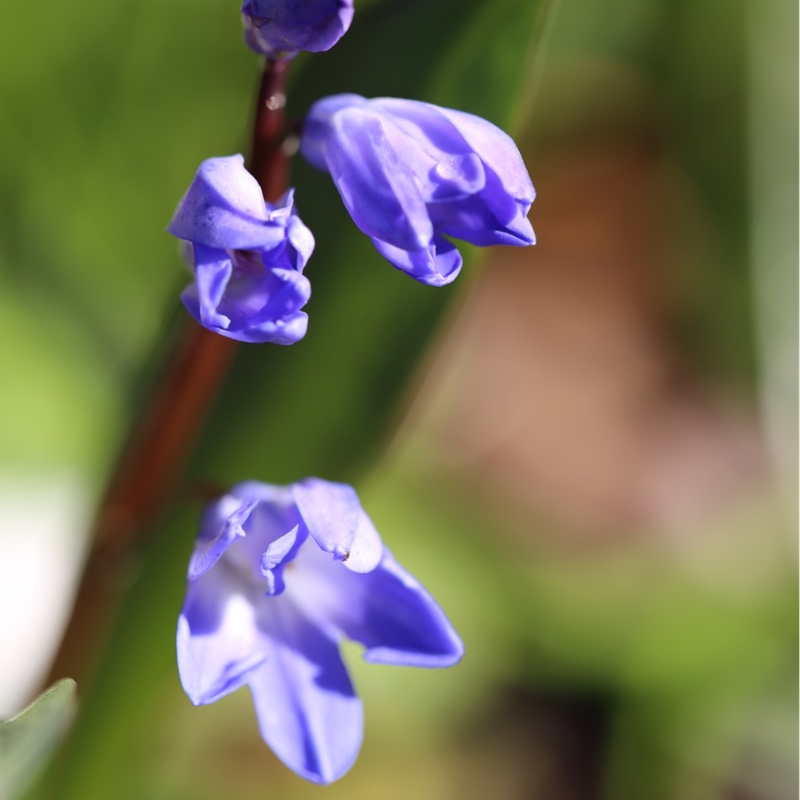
[
  {"x": 280, "y": 28},
  {"x": 411, "y": 173},
  {"x": 248, "y": 256},
  {"x": 279, "y": 575}
]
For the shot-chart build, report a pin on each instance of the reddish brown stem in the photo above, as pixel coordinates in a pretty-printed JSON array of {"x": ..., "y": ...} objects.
[
  {"x": 268, "y": 162},
  {"x": 166, "y": 432}
]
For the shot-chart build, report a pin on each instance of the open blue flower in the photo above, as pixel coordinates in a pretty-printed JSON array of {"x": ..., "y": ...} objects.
[
  {"x": 412, "y": 173},
  {"x": 248, "y": 256},
  {"x": 280, "y": 28},
  {"x": 278, "y": 576}
]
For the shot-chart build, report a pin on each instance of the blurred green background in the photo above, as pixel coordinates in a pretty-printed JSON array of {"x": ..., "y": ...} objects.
[{"x": 586, "y": 450}]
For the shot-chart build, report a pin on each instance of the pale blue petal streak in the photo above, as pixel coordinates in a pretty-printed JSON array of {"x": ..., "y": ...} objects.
[
  {"x": 307, "y": 709},
  {"x": 218, "y": 643}
]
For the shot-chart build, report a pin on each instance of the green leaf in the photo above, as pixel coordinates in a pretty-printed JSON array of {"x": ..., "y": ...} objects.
[{"x": 28, "y": 739}]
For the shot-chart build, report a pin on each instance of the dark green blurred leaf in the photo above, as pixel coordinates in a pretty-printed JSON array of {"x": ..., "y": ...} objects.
[{"x": 29, "y": 738}]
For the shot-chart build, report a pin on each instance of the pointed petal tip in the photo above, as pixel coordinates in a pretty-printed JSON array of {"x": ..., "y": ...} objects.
[
  {"x": 338, "y": 524},
  {"x": 328, "y": 776},
  {"x": 397, "y": 658}
]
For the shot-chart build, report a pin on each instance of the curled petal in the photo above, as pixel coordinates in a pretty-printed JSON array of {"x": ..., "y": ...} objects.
[
  {"x": 208, "y": 551},
  {"x": 338, "y": 524},
  {"x": 307, "y": 709},
  {"x": 212, "y": 270},
  {"x": 436, "y": 265},
  {"x": 301, "y": 239},
  {"x": 278, "y": 553},
  {"x": 257, "y": 305},
  {"x": 224, "y": 208}
]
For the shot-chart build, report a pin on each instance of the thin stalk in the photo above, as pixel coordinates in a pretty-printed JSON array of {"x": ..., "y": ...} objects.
[{"x": 166, "y": 431}]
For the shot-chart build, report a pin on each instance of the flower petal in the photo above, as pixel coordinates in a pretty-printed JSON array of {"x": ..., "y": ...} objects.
[
  {"x": 301, "y": 239},
  {"x": 317, "y": 125},
  {"x": 307, "y": 709},
  {"x": 260, "y": 304},
  {"x": 444, "y": 163},
  {"x": 277, "y": 555},
  {"x": 218, "y": 643},
  {"x": 497, "y": 151},
  {"x": 212, "y": 270},
  {"x": 224, "y": 208},
  {"x": 485, "y": 219},
  {"x": 436, "y": 265},
  {"x": 334, "y": 517},
  {"x": 208, "y": 551},
  {"x": 377, "y": 188},
  {"x": 289, "y": 291},
  {"x": 285, "y": 331},
  {"x": 387, "y": 610}
]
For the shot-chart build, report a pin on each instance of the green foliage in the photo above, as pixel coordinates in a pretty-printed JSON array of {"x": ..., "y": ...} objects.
[
  {"x": 107, "y": 110},
  {"x": 27, "y": 739}
]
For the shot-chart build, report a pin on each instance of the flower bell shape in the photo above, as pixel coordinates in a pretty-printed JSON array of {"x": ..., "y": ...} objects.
[
  {"x": 279, "y": 575},
  {"x": 248, "y": 256},
  {"x": 279, "y": 29},
  {"x": 412, "y": 174}
]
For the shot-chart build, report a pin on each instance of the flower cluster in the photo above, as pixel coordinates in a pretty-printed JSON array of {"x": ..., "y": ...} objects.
[
  {"x": 281, "y": 574},
  {"x": 278, "y": 576},
  {"x": 411, "y": 174}
]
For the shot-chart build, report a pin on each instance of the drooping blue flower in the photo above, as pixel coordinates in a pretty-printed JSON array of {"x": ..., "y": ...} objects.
[
  {"x": 280, "y": 28},
  {"x": 412, "y": 173},
  {"x": 279, "y": 575},
  {"x": 248, "y": 256}
]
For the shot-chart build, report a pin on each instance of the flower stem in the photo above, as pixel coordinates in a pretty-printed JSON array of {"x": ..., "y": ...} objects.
[
  {"x": 269, "y": 163},
  {"x": 165, "y": 433}
]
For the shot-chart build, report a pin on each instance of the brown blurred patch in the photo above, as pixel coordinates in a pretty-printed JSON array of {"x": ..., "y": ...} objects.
[
  {"x": 537, "y": 745},
  {"x": 566, "y": 396}
]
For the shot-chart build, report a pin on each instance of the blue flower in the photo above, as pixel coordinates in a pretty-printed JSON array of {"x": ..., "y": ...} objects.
[
  {"x": 280, "y": 28},
  {"x": 278, "y": 576},
  {"x": 248, "y": 256},
  {"x": 412, "y": 173}
]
